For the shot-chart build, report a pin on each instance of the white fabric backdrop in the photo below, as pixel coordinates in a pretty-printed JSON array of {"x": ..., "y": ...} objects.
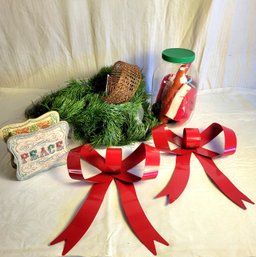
[{"x": 45, "y": 43}]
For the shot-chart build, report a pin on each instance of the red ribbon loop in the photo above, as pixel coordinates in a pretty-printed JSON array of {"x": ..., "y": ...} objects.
[
  {"x": 191, "y": 138},
  {"x": 193, "y": 142},
  {"x": 113, "y": 160},
  {"x": 112, "y": 168}
]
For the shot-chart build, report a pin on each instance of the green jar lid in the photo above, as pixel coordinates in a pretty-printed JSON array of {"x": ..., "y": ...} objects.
[{"x": 178, "y": 55}]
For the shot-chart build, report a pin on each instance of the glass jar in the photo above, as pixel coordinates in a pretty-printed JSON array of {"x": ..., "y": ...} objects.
[{"x": 174, "y": 86}]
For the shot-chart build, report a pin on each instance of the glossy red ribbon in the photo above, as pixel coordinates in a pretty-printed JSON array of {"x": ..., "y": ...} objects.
[
  {"x": 193, "y": 142},
  {"x": 112, "y": 168}
]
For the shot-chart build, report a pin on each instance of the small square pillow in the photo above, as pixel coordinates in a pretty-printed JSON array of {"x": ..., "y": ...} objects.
[{"x": 39, "y": 151}]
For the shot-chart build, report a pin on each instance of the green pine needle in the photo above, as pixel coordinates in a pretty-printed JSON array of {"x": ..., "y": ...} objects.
[{"x": 95, "y": 121}]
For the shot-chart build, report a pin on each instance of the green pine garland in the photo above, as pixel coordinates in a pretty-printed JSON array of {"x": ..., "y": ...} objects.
[{"x": 95, "y": 121}]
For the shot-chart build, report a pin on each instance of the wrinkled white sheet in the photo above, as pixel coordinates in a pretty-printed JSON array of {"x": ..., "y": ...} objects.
[
  {"x": 202, "y": 222},
  {"x": 45, "y": 43}
]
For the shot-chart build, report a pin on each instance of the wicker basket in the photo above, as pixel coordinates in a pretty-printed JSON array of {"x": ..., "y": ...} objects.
[{"x": 122, "y": 83}]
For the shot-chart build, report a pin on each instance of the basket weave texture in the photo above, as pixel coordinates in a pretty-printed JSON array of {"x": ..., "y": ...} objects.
[{"x": 122, "y": 83}]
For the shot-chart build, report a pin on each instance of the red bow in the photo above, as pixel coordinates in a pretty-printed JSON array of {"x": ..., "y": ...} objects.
[
  {"x": 112, "y": 168},
  {"x": 193, "y": 142}
]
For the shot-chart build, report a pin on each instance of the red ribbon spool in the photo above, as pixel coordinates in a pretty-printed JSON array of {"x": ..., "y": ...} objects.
[
  {"x": 112, "y": 168},
  {"x": 193, "y": 142}
]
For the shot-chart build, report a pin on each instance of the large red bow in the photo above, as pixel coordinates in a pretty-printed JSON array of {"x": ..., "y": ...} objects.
[
  {"x": 112, "y": 168},
  {"x": 193, "y": 142}
]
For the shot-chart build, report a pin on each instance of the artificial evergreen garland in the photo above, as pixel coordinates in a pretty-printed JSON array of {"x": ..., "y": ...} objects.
[{"x": 93, "y": 120}]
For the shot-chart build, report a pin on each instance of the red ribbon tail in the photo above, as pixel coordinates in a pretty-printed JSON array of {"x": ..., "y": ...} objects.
[
  {"x": 222, "y": 182},
  {"x": 84, "y": 218},
  {"x": 137, "y": 218},
  {"x": 179, "y": 179}
]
